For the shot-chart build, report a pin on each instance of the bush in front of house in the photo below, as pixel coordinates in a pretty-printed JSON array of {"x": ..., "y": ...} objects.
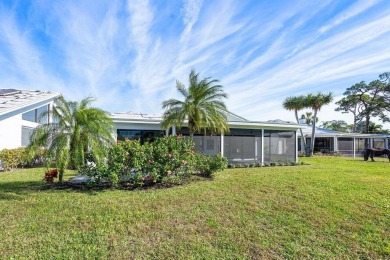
[
  {"x": 208, "y": 165},
  {"x": 20, "y": 158},
  {"x": 167, "y": 159}
]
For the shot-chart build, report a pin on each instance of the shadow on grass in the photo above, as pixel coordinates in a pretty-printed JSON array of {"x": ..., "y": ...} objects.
[{"x": 19, "y": 189}]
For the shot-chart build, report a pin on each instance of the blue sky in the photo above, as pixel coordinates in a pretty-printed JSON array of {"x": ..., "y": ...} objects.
[{"x": 129, "y": 54}]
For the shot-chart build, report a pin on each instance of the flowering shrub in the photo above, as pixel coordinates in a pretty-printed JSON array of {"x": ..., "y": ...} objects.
[
  {"x": 131, "y": 162},
  {"x": 166, "y": 160}
]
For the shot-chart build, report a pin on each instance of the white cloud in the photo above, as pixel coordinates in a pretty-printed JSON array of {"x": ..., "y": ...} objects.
[
  {"x": 128, "y": 54},
  {"x": 190, "y": 12},
  {"x": 356, "y": 9}
]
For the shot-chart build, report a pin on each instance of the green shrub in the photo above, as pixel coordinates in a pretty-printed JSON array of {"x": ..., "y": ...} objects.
[
  {"x": 207, "y": 165},
  {"x": 166, "y": 159},
  {"x": 231, "y": 166},
  {"x": 10, "y": 158},
  {"x": 19, "y": 158},
  {"x": 266, "y": 164},
  {"x": 251, "y": 165},
  {"x": 272, "y": 164},
  {"x": 259, "y": 165}
]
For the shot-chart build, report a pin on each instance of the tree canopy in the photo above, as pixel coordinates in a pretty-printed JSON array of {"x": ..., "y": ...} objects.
[
  {"x": 203, "y": 106},
  {"x": 367, "y": 101},
  {"x": 312, "y": 101},
  {"x": 295, "y": 104},
  {"x": 337, "y": 125}
]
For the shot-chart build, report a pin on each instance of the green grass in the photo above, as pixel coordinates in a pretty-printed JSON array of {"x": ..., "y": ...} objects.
[{"x": 332, "y": 208}]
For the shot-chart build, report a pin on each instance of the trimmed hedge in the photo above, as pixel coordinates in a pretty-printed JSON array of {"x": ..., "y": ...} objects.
[{"x": 19, "y": 158}]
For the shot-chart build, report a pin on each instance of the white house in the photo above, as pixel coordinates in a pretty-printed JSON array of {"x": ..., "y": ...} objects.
[{"x": 19, "y": 115}]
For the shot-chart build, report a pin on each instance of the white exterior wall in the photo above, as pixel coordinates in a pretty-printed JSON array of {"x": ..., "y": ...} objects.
[
  {"x": 10, "y": 132},
  {"x": 11, "y": 128}
]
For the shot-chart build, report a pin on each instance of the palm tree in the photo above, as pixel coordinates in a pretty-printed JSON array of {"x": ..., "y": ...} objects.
[
  {"x": 203, "y": 106},
  {"x": 296, "y": 104},
  {"x": 77, "y": 129},
  {"x": 316, "y": 102},
  {"x": 309, "y": 118}
]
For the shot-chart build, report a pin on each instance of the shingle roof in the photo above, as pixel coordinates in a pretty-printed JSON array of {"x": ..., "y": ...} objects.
[{"x": 21, "y": 98}]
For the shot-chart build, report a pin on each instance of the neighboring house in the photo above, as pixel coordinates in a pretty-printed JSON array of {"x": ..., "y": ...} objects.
[
  {"x": 348, "y": 144},
  {"x": 19, "y": 115},
  {"x": 247, "y": 141}
]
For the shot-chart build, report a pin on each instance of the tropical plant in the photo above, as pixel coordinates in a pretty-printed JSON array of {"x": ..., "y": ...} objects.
[
  {"x": 309, "y": 118},
  {"x": 316, "y": 102},
  {"x": 372, "y": 128},
  {"x": 295, "y": 104},
  {"x": 337, "y": 125},
  {"x": 203, "y": 106},
  {"x": 76, "y": 129}
]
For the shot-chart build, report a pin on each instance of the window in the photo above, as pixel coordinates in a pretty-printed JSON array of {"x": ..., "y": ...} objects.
[
  {"x": 129, "y": 134},
  {"x": 30, "y": 116},
  {"x": 35, "y": 115},
  {"x": 142, "y": 135},
  {"x": 40, "y": 119},
  {"x": 26, "y": 134}
]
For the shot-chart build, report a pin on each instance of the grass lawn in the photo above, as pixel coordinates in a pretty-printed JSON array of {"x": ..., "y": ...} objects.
[{"x": 333, "y": 208}]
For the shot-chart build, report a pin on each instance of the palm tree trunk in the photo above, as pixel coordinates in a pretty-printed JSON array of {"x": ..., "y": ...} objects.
[
  {"x": 313, "y": 134},
  {"x": 61, "y": 174},
  {"x": 300, "y": 129}
]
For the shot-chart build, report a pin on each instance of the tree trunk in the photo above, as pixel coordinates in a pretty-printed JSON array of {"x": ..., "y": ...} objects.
[
  {"x": 367, "y": 126},
  {"x": 313, "y": 134},
  {"x": 300, "y": 129},
  {"x": 61, "y": 171}
]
